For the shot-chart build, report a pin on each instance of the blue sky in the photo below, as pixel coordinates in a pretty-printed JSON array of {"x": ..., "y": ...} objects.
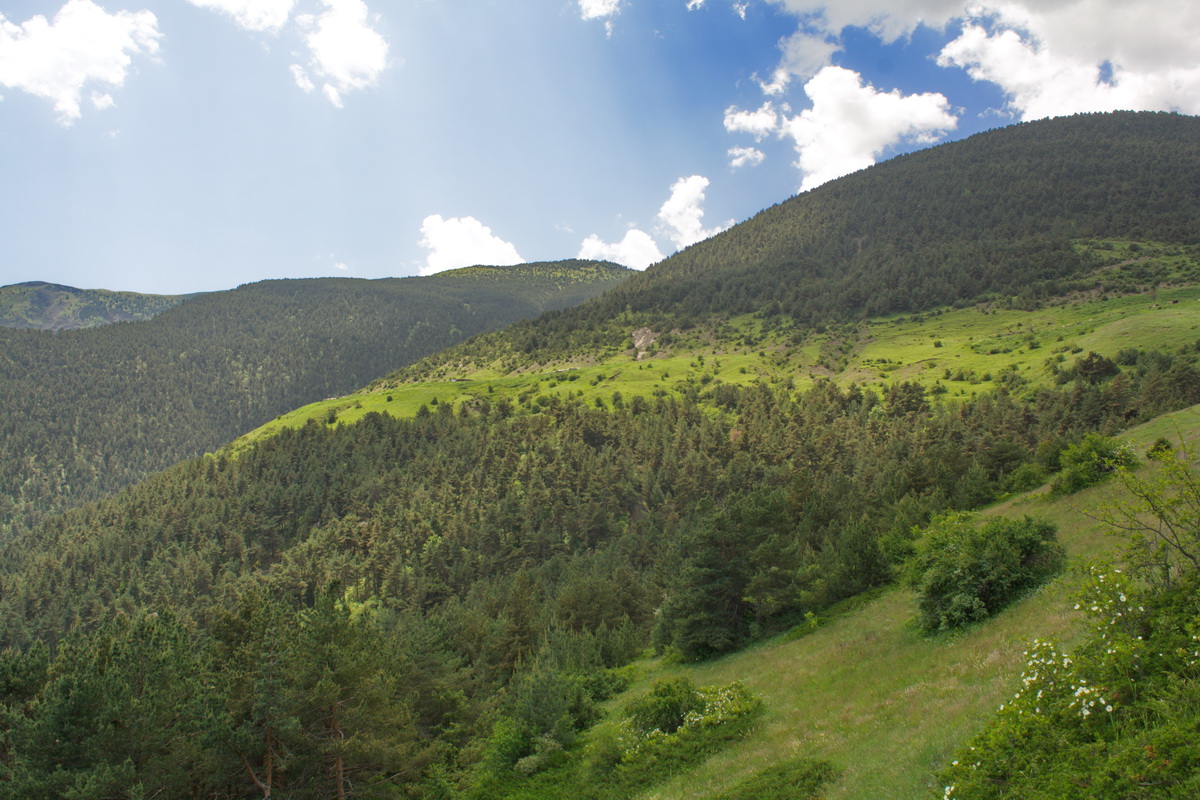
[{"x": 176, "y": 146}]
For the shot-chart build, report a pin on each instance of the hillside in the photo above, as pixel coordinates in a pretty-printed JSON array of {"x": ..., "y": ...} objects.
[
  {"x": 449, "y": 584},
  {"x": 991, "y": 218},
  {"x": 1138, "y": 295},
  {"x": 52, "y": 307},
  {"x": 85, "y": 412}
]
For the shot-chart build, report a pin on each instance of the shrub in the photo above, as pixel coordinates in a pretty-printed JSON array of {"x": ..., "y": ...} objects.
[
  {"x": 964, "y": 572},
  {"x": 1089, "y": 462},
  {"x": 666, "y": 707},
  {"x": 1026, "y": 477}
]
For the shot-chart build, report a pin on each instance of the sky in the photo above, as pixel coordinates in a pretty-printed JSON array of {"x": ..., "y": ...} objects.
[{"x": 176, "y": 146}]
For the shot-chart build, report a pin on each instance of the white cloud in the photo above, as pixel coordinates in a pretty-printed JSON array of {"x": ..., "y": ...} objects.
[
  {"x": 332, "y": 95},
  {"x": 341, "y": 266},
  {"x": 1088, "y": 55},
  {"x": 740, "y": 9},
  {"x": 636, "y": 251},
  {"x": 102, "y": 100},
  {"x": 850, "y": 125},
  {"x": 745, "y": 156},
  {"x": 253, "y": 15},
  {"x": 84, "y": 44},
  {"x": 302, "y": 79},
  {"x": 1049, "y": 57},
  {"x": 692, "y": 5},
  {"x": 463, "y": 242},
  {"x": 888, "y": 19},
  {"x": 679, "y": 218},
  {"x": 599, "y": 9},
  {"x": 759, "y": 124},
  {"x": 804, "y": 54},
  {"x": 346, "y": 51}
]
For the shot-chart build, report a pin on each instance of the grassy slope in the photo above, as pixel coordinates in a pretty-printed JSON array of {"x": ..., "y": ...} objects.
[
  {"x": 885, "y": 703},
  {"x": 977, "y": 344}
]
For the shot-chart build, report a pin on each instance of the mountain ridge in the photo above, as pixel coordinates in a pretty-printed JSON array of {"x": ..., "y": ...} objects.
[
  {"x": 42, "y": 305},
  {"x": 86, "y": 411}
]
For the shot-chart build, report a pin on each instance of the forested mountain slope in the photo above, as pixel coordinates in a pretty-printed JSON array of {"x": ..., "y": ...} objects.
[
  {"x": 992, "y": 216},
  {"x": 85, "y": 412},
  {"x": 437, "y": 601},
  {"x": 50, "y": 306}
]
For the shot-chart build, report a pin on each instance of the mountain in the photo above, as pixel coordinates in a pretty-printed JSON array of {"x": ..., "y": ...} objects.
[
  {"x": 442, "y": 586},
  {"x": 53, "y": 307},
  {"x": 991, "y": 217},
  {"x": 85, "y": 412}
]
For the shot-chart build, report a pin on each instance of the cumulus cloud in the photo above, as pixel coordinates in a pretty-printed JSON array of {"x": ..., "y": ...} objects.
[
  {"x": 850, "y": 124},
  {"x": 84, "y": 44},
  {"x": 463, "y": 242},
  {"x": 253, "y": 15},
  {"x": 1088, "y": 55},
  {"x": 759, "y": 124},
  {"x": 679, "y": 218},
  {"x": 347, "y": 53},
  {"x": 636, "y": 251},
  {"x": 745, "y": 156},
  {"x": 1049, "y": 57}
]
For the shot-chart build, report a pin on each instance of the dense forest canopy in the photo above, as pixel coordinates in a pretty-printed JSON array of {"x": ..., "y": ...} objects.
[{"x": 85, "y": 412}]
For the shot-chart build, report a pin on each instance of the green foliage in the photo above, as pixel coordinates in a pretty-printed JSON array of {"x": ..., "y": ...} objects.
[
  {"x": 1118, "y": 718},
  {"x": 964, "y": 572},
  {"x": 1089, "y": 462},
  {"x": 797, "y": 779},
  {"x": 622, "y": 759},
  {"x": 717, "y": 715},
  {"x": 1026, "y": 477},
  {"x": 665, "y": 707},
  {"x": 1161, "y": 521}
]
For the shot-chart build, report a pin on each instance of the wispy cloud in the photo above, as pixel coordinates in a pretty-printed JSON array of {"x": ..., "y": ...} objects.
[{"x": 253, "y": 15}]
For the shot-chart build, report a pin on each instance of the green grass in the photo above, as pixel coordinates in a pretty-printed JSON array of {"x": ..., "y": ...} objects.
[{"x": 963, "y": 352}]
